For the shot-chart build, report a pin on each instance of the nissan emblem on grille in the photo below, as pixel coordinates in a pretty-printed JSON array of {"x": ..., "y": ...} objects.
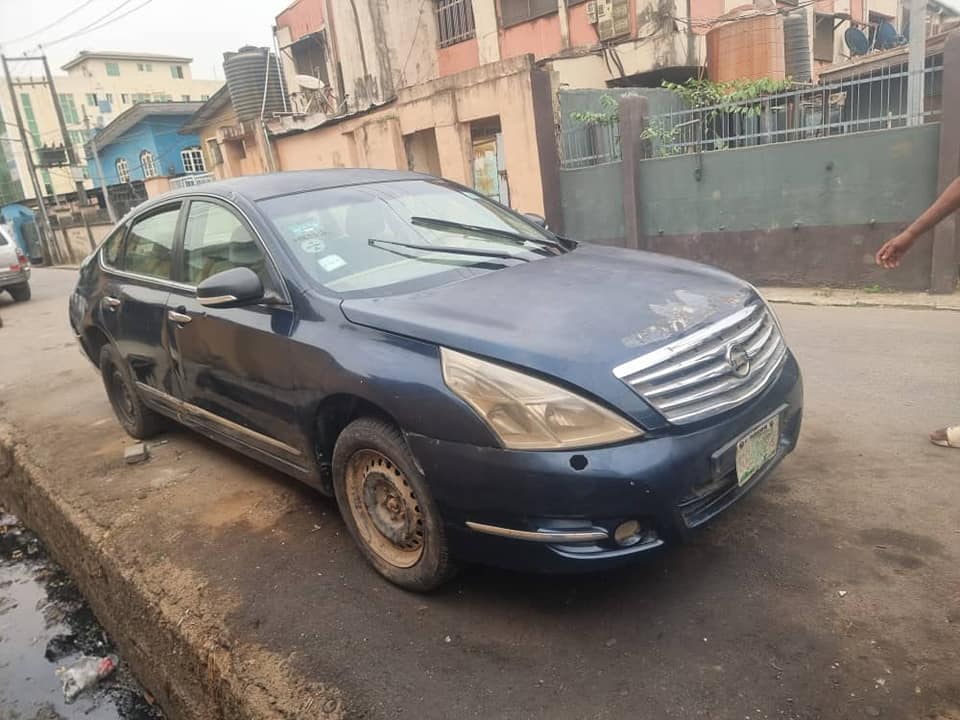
[
  {"x": 738, "y": 360},
  {"x": 712, "y": 369}
]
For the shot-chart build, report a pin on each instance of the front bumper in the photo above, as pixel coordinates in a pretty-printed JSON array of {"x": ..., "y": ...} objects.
[{"x": 671, "y": 482}]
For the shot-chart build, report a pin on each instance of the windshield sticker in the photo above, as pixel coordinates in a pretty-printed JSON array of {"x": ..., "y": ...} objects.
[
  {"x": 313, "y": 245},
  {"x": 331, "y": 262}
]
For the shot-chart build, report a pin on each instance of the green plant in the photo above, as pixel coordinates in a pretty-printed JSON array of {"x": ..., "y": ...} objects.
[
  {"x": 733, "y": 96},
  {"x": 610, "y": 115},
  {"x": 665, "y": 137}
]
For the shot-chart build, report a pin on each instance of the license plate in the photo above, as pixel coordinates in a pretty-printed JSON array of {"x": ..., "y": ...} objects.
[{"x": 757, "y": 448}]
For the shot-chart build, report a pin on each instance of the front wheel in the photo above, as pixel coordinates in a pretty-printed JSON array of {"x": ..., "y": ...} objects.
[
  {"x": 136, "y": 418},
  {"x": 388, "y": 508},
  {"x": 20, "y": 293}
]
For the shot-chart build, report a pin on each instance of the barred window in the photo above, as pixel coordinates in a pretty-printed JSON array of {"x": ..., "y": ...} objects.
[
  {"x": 148, "y": 164},
  {"x": 454, "y": 21},
  {"x": 123, "y": 170},
  {"x": 518, "y": 11}
]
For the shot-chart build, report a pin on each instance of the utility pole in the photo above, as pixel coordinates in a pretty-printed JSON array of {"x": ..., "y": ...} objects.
[
  {"x": 71, "y": 154},
  {"x": 564, "y": 24},
  {"x": 916, "y": 57},
  {"x": 31, "y": 169},
  {"x": 96, "y": 162}
]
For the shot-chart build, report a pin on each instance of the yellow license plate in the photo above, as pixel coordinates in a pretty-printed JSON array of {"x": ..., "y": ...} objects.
[{"x": 757, "y": 448}]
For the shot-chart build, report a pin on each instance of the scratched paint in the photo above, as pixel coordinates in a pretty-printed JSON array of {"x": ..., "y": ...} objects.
[{"x": 685, "y": 310}]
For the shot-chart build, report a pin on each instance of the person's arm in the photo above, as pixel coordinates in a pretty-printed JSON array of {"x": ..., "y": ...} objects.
[{"x": 893, "y": 250}]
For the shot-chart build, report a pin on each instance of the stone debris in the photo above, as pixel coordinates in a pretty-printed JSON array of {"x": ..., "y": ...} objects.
[{"x": 136, "y": 454}]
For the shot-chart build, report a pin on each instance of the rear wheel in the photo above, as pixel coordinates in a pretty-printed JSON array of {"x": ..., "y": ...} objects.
[
  {"x": 20, "y": 293},
  {"x": 387, "y": 506},
  {"x": 136, "y": 418}
]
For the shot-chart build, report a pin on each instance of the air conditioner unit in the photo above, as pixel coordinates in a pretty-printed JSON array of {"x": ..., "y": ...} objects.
[
  {"x": 613, "y": 18},
  {"x": 592, "y": 12}
]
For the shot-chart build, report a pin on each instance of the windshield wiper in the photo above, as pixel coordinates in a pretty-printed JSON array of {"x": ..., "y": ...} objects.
[
  {"x": 375, "y": 242},
  {"x": 491, "y": 233}
]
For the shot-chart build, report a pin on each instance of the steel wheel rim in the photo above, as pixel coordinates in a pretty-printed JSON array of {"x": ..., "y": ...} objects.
[
  {"x": 385, "y": 508},
  {"x": 122, "y": 400}
]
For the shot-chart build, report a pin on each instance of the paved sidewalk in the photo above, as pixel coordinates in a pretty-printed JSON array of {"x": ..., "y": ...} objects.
[{"x": 863, "y": 297}]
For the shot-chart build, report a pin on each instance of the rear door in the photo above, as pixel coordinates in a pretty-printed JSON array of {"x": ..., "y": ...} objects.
[
  {"x": 232, "y": 365},
  {"x": 137, "y": 296}
]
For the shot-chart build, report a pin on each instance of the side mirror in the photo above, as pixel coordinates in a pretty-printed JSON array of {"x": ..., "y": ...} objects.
[
  {"x": 237, "y": 286},
  {"x": 536, "y": 219}
]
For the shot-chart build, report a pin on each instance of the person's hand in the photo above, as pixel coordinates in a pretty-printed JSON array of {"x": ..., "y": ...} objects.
[{"x": 893, "y": 250}]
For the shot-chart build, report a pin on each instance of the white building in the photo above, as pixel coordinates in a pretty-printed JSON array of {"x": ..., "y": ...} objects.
[{"x": 98, "y": 85}]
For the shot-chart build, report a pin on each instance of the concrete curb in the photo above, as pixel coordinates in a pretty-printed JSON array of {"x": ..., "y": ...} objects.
[
  {"x": 830, "y": 297},
  {"x": 192, "y": 668}
]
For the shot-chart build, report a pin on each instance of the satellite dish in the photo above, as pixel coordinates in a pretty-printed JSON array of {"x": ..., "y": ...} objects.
[
  {"x": 856, "y": 41},
  {"x": 309, "y": 82},
  {"x": 887, "y": 36}
]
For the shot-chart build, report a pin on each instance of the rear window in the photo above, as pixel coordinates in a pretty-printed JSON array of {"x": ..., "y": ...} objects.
[
  {"x": 3, "y": 237},
  {"x": 111, "y": 247},
  {"x": 149, "y": 247}
]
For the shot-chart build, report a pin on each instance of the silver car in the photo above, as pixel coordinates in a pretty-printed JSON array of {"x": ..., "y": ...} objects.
[{"x": 14, "y": 267}]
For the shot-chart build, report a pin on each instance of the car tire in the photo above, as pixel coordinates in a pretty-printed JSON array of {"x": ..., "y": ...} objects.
[
  {"x": 133, "y": 415},
  {"x": 20, "y": 293},
  {"x": 387, "y": 506}
]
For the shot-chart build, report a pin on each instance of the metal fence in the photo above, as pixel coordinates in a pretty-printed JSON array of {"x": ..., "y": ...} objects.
[
  {"x": 873, "y": 100},
  {"x": 185, "y": 181},
  {"x": 588, "y": 145}
]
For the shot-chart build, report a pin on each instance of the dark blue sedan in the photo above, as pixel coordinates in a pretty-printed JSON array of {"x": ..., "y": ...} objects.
[{"x": 470, "y": 386}]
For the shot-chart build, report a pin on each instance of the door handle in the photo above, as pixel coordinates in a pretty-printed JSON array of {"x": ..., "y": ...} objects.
[
  {"x": 179, "y": 317},
  {"x": 111, "y": 302}
]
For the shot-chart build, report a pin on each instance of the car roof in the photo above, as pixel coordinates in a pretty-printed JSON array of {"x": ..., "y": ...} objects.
[{"x": 258, "y": 187}]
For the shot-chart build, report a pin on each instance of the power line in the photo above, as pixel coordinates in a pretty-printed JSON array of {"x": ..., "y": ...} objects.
[
  {"x": 99, "y": 23},
  {"x": 59, "y": 20}
]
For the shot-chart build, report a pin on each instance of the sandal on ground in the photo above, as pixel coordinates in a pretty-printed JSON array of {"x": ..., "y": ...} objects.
[{"x": 946, "y": 437}]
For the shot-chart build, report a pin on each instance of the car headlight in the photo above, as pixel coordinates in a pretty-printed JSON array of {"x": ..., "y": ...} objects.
[{"x": 527, "y": 413}]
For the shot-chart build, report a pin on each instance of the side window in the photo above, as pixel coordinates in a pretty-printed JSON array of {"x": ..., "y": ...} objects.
[
  {"x": 149, "y": 247},
  {"x": 216, "y": 240},
  {"x": 111, "y": 247}
]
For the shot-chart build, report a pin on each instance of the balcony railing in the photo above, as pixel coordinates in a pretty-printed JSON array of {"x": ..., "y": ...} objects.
[{"x": 185, "y": 181}]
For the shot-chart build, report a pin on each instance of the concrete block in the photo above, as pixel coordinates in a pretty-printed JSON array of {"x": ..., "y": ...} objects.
[{"x": 136, "y": 454}]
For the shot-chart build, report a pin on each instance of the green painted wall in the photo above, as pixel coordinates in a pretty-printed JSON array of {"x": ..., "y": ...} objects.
[
  {"x": 592, "y": 203},
  {"x": 888, "y": 176}
]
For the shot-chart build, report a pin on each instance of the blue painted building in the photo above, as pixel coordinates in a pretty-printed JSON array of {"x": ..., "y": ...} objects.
[{"x": 144, "y": 142}]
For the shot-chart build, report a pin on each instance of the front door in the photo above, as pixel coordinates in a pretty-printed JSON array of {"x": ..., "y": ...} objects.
[
  {"x": 233, "y": 368},
  {"x": 135, "y": 299}
]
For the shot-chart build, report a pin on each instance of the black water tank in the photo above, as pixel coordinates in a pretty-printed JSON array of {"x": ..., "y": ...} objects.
[
  {"x": 796, "y": 46},
  {"x": 246, "y": 72}
]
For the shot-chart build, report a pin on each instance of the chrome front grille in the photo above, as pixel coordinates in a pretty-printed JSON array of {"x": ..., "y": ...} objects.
[{"x": 711, "y": 370}]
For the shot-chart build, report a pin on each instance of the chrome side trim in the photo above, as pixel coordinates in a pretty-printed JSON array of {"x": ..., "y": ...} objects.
[
  {"x": 685, "y": 343},
  {"x": 229, "y": 425},
  {"x": 144, "y": 278},
  {"x": 217, "y": 300},
  {"x": 543, "y": 536}
]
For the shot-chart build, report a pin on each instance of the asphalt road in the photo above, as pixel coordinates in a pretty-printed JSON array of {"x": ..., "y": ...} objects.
[{"x": 833, "y": 591}]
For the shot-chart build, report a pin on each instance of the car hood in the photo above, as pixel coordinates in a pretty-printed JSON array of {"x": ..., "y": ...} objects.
[{"x": 573, "y": 317}]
